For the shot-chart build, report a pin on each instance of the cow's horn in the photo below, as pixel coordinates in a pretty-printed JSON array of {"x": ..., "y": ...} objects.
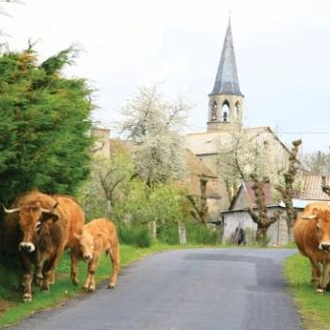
[
  {"x": 309, "y": 217},
  {"x": 11, "y": 210},
  {"x": 51, "y": 210},
  {"x": 45, "y": 210}
]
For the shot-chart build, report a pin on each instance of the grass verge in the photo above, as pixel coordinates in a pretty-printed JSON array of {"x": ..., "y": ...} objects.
[{"x": 314, "y": 307}]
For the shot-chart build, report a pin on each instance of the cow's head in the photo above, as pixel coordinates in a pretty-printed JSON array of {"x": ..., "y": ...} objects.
[
  {"x": 321, "y": 216},
  {"x": 31, "y": 217},
  {"x": 86, "y": 244}
]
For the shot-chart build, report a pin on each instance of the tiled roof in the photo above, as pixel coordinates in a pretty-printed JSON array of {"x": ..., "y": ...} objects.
[
  {"x": 245, "y": 197},
  {"x": 312, "y": 187},
  {"x": 205, "y": 143},
  {"x": 267, "y": 191},
  {"x": 197, "y": 167}
]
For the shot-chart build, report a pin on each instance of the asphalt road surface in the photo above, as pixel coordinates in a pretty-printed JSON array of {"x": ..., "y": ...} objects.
[{"x": 195, "y": 289}]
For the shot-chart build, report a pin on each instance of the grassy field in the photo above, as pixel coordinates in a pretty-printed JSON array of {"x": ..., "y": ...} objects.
[{"x": 314, "y": 308}]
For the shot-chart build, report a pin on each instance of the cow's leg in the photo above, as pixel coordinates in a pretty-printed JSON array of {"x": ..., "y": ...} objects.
[
  {"x": 27, "y": 277},
  {"x": 38, "y": 277},
  {"x": 89, "y": 284},
  {"x": 48, "y": 274},
  {"x": 114, "y": 254},
  {"x": 27, "y": 287},
  {"x": 325, "y": 276},
  {"x": 74, "y": 268},
  {"x": 316, "y": 273}
]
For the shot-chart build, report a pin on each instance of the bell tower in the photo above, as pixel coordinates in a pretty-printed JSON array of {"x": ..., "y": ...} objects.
[{"x": 225, "y": 110}]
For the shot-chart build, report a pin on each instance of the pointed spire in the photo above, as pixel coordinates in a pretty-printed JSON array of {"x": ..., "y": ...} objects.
[{"x": 226, "y": 81}]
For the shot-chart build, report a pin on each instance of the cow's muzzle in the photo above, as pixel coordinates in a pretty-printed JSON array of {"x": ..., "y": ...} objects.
[
  {"x": 26, "y": 247},
  {"x": 325, "y": 246},
  {"x": 88, "y": 257}
]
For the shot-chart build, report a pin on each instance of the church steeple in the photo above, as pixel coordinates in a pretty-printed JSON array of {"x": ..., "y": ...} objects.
[{"x": 226, "y": 99}]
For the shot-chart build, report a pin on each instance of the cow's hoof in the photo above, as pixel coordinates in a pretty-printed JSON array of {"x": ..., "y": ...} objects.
[
  {"x": 91, "y": 289},
  {"x": 45, "y": 288},
  {"x": 27, "y": 298},
  {"x": 111, "y": 286}
]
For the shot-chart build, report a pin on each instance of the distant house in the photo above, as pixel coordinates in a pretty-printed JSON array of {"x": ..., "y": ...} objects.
[
  {"x": 238, "y": 217},
  {"x": 196, "y": 171},
  {"x": 311, "y": 190}
]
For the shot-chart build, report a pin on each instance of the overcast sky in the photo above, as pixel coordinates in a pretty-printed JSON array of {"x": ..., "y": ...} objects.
[{"x": 282, "y": 50}]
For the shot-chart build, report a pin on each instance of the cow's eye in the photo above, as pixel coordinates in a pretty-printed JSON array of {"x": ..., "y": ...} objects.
[{"x": 37, "y": 227}]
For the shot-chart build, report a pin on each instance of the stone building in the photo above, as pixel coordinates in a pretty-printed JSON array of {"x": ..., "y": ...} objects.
[{"x": 225, "y": 119}]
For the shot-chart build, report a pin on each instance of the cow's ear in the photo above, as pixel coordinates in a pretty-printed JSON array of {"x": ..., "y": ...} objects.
[
  {"x": 49, "y": 216},
  {"x": 77, "y": 234}
]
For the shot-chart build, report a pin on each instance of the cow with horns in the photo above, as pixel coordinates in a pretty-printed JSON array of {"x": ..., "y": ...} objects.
[
  {"x": 41, "y": 226},
  {"x": 312, "y": 236}
]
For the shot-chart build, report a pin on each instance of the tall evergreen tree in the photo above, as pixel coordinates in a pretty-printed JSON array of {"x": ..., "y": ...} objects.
[{"x": 44, "y": 120}]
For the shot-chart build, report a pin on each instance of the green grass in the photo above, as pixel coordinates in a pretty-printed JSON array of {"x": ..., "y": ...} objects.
[{"x": 314, "y": 307}]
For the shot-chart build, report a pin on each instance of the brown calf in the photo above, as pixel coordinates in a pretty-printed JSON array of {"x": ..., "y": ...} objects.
[
  {"x": 312, "y": 235},
  {"x": 97, "y": 236}
]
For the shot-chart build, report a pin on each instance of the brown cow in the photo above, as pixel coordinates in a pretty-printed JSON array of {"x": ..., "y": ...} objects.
[
  {"x": 97, "y": 236},
  {"x": 312, "y": 235},
  {"x": 42, "y": 227}
]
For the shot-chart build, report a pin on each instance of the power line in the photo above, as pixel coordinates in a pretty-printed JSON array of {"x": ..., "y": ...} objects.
[{"x": 306, "y": 133}]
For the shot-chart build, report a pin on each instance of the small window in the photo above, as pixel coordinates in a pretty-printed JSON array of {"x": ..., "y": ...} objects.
[
  {"x": 214, "y": 111},
  {"x": 225, "y": 112}
]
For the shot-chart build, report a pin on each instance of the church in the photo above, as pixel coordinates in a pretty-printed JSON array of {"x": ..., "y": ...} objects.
[
  {"x": 225, "y": 112},
  {"x": 225, "y": 121}
]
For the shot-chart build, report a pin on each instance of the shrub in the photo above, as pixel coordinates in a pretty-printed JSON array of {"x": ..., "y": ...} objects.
[
  {"x": 137, "y": 236},
  {"x": 168, "y": 234},
  {"x": 200, "y": 234}
]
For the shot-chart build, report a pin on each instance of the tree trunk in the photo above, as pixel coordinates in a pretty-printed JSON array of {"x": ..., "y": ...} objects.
[
  {"x": 109, "y": 209},
  {"x": 261, "y": 236}
]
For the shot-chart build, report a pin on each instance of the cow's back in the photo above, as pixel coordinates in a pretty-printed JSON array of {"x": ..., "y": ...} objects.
[
  {"x": 73, "y": 214},
  {"x": 101, "y": 225}
]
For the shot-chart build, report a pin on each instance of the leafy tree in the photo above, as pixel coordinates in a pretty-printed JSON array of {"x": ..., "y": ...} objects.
[
  {"x": 165, "y": 204},
  {"x": 108, "y": 183},
  {"x": 243, "y": 158},
  {"x": 199, "y": 208},
  {"x": 261, "y": 215},
  {"x": 44, "y": 119},
  {"x": 155, "y": 125},
  {"x": 242, "y": 154},
  {"x": 289, "y": 187}
]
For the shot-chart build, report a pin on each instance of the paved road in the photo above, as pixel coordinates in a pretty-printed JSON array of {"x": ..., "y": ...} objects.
[{"x": 214, "y": 289}]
